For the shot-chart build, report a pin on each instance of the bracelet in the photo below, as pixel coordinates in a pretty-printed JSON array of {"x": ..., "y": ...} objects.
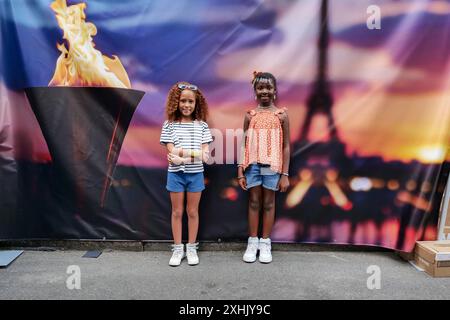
[
  {"x": 195, "y": 153},
  {"x": 240, "y": 165},
  {"x": 285, "y": 174},
  {"x": 241, "y": 177}
]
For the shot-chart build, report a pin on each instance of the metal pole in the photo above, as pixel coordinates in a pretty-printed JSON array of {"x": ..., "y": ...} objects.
[{"x": 444, "y": 212}]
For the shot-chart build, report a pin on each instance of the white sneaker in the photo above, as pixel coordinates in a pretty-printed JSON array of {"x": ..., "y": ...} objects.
[
  {"x": 252, "y": 249},
  {"x": 177, "y": 255},
  {"x": 265, "y": 256},
  {"x": 191, "y": 253}
]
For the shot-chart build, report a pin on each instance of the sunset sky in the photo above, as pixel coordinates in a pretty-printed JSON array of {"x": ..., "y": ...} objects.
[{"x": 390, "y": 86}]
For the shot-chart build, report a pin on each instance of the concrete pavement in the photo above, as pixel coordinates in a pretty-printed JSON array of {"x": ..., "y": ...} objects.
[{"x": 220, "y": 275}]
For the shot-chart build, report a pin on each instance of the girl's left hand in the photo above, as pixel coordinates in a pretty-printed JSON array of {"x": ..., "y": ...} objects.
[
  {"x": 283, "y": 184},
  {"x": 205, "y": 155}
]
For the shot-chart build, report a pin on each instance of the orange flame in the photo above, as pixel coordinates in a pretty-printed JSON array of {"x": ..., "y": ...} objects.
[{"x": 81, "y": 64}]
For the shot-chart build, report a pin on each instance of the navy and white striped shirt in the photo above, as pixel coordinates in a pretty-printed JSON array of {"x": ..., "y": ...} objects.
[{"x": 186, "y": 135}]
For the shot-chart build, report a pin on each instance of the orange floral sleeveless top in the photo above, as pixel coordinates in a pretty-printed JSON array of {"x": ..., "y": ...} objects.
[{"x": 264, "y": 139}]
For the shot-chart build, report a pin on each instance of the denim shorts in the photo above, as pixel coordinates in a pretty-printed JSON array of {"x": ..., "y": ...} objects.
[
  {"x": 180, "y": 182},
  {"x": 257, "y": 175}
]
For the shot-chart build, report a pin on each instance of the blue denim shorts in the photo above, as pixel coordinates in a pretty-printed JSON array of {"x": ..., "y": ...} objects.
[
  {"x": 257, "y": 175},
  {"x": 180, "y": 182}
]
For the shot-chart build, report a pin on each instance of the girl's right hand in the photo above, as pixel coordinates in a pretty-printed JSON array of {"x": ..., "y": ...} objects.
[
  {"x": 243, "y": 183},
  {"x": 173, "y": 159}
]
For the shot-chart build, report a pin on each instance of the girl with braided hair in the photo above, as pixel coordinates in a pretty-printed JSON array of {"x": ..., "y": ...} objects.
[{"x": 265, "y": 164}]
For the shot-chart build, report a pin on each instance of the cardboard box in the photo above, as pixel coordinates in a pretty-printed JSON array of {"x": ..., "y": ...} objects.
[{"x": 433, "y": 257}]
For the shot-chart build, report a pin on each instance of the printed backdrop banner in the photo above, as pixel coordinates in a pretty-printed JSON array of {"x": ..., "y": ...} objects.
[{"x": 83, "y": 85}]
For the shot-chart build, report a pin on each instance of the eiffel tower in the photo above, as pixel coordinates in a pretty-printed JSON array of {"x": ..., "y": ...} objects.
[{"x": 319, "y": 151}]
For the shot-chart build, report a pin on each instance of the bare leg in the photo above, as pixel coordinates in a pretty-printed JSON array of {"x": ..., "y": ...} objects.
[
  {"x": 268, "y": 212},
  {"x": 254, "y": 207},
  {"x": 177, "y": 200},
  {"x": 193, "y": 200}
]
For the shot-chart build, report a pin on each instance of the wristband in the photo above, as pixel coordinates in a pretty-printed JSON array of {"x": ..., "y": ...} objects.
[
  {"x": 195, "y": 153},
  {"x": 285, "y": 174},
  {"x": 241, "y": 177}
]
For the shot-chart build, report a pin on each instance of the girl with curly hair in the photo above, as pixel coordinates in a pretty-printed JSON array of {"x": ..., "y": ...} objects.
[
  {"x": 265, "y": 164},
  {"x": 186, "y": 136}
]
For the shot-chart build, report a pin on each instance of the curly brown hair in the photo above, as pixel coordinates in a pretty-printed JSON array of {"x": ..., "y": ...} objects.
[{"x": 173, "y": 100}]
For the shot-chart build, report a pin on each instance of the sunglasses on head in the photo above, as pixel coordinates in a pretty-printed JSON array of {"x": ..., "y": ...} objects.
[{"x": 183, "y": 86}]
